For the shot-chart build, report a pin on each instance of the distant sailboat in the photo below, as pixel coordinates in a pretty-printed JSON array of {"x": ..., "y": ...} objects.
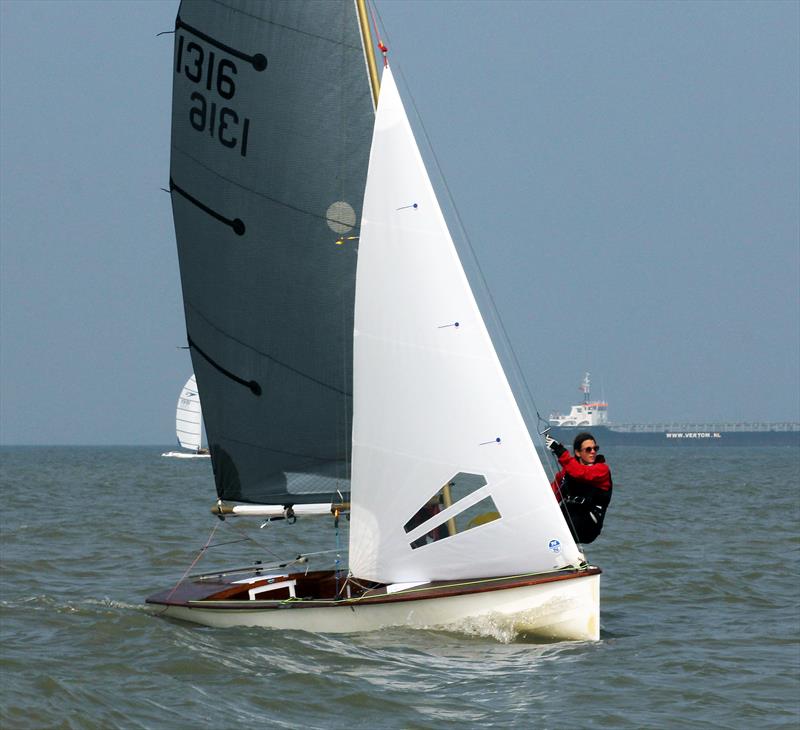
[
  {"x": 189, "y": 424},
  {"x": 338, "y": 378}
]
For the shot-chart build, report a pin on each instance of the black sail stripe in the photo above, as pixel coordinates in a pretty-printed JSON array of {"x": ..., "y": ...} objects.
[
  {"x": 252, "y": 385},
  {"x": 262, "y": 195},
  {"x": 280, "y": 363},
  {"x": 237, "y": 224},
  {"x": 258, "y": 60}
]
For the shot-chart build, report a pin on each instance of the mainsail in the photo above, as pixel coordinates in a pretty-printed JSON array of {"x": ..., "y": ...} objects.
[
  {"x": 189, "y": 417},
  {"x": 446, "y": 480},
  {"x": 271, "y": 122}
]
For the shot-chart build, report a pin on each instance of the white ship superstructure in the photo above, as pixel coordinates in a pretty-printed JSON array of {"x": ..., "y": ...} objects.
[
  {"x": 588, "y": 413},
  {"x": 593, "y": 415}
]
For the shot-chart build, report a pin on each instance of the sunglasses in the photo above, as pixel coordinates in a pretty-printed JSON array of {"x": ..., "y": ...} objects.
[{"x": 590, "y": 448}]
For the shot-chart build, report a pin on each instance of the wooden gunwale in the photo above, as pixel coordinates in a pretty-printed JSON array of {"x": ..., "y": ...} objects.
[{"x": 380, "y": 596}]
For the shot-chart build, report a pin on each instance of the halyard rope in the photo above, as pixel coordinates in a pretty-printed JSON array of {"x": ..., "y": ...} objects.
[{"x": 194, "y": 562}]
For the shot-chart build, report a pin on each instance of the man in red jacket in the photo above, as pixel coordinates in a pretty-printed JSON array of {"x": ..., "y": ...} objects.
[{"x": 582, "y": 487}]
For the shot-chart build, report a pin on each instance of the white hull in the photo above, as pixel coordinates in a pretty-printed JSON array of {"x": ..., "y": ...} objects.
[
  {"x": 562, "y": 610},
  {"x": 185, "y": 455}
]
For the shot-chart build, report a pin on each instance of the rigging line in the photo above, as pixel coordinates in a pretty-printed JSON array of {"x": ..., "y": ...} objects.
[
  {"x": 495, "y": 313},
  {"x": 269, "y": 357},
  {"x": 352, "y": 580},
  {"x": 346, "y": 293},
  {"x": 314, "y": 554},
  {"x": 250, "y": 538},
  {"x": 227, "y": 542},
  {"x": 337, "y": 559},
  {"x": 194, "y": 562},
  {"x": 260, "y": 19},
  {"x": 347, "y": 309},
  {"x": 381, "y": 46},
  {"x": 311, "y": 458},
  {"x": 375, "y": 11},
  {"x": 561, "y": 499},
  {"x": 257, "y": 193},
  {"x": 550, "y": 469},
  {"x": 300, "y": 558},
  {"x": 461, "y": 584},
  {"x": 347, "y": 413}
]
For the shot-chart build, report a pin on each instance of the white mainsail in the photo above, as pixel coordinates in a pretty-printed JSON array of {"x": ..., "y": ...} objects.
[
  {"x": 430, "y": 398},
  {"x": 189, "y": 417}
]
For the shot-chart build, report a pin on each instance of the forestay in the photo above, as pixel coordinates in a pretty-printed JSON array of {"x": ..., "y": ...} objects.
[
  {"x": 433, "y": 411},
  {"x": 271, "y": 124},
  {"x": 189, "y": 416}
]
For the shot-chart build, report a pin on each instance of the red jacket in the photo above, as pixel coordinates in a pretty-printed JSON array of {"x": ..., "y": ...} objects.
[{"x": 596, "y": 475}]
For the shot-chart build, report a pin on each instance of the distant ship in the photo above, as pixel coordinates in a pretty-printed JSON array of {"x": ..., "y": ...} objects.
[{"x": 592, "y": 415}]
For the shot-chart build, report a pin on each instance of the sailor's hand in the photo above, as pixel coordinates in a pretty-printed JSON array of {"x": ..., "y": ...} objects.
[{"x": 553, "y": 445}]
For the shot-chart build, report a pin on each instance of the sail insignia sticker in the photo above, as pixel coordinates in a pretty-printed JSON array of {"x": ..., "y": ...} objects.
[
  {"x": 340, "y": 217},
  {"x": 554, "y": 546}
]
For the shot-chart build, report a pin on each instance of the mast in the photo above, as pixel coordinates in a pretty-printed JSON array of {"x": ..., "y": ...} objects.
[{"x": 369, "y": 51}]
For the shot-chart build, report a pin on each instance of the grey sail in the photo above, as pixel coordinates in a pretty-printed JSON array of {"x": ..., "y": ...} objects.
[{"x": 271, "y": 125}]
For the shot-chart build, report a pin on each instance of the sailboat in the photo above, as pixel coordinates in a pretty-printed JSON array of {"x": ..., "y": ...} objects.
[
  {"x": 345, "y": 365},
  {"x": 189, "y": 424}
]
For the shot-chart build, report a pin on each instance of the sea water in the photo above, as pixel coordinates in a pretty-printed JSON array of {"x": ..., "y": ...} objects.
[{"x": 700, "y": 618}]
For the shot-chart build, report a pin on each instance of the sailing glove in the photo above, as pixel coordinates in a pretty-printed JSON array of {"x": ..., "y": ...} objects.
[{"x": 554, "y": 446}]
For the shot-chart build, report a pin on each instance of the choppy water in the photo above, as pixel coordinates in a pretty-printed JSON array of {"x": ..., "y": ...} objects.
[{"x": 700, "y": 610}]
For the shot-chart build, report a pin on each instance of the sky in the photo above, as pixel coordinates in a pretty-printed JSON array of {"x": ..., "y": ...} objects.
[{"x": 627, "y": 174}]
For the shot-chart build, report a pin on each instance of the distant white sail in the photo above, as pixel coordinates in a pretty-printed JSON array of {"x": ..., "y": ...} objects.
[
  {"x": 189, "y": 423},
  {"x": 189, "y": 417}
]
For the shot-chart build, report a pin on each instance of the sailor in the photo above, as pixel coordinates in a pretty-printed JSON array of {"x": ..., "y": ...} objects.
[
  {"x": 582, "y": 487},
  {"x": 428, "y": 510}
]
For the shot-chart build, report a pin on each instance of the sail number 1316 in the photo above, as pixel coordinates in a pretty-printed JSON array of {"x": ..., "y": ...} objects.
[{"x": 217, "y": 76}]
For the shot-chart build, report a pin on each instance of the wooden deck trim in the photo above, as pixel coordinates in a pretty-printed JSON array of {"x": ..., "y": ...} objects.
[{"x": 441, "y": 589}]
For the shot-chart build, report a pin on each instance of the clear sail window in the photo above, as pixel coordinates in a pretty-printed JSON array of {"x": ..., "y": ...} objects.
[{"x": 456, "y": 489}]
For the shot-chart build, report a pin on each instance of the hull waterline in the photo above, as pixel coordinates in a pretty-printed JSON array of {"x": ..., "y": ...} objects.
[
  {"x": 566, "y": 607},
  {"x": 185, "y": 455}
]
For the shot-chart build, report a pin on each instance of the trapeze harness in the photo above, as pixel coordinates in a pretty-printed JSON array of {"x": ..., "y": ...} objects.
[{"x": 584, "y": 505}]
